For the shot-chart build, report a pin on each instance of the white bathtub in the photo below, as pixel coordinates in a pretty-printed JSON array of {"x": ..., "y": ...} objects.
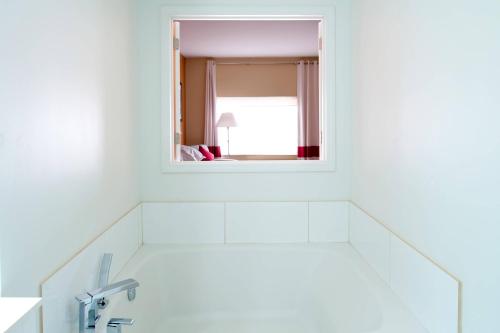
[{"x": 258, "y": 289}]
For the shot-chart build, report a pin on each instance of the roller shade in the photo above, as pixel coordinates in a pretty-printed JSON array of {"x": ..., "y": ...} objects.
[{"x": 256, "y": 80}]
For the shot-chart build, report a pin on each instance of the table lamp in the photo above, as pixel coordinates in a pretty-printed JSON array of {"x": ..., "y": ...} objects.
[{"x": 227, "y": 120}]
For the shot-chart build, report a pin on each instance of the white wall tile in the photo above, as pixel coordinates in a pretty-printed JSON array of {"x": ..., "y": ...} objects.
[
  {"x": 371, "y": 240},
  {"x": 20, "y": 315},
  {"x": 185, "y": 222},
  {"x": 80, "y": 274},
  {"x": 428, "y": 291},
  {"x": 328, "y": 221},
  {"x": 257, "y": 222}
]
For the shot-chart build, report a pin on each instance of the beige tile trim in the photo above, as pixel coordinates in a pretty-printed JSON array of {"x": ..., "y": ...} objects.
[
  {"x": 87, "y": 244},
  {"x": 434, "y": 262},
  {"x": 140, "y": 204}
]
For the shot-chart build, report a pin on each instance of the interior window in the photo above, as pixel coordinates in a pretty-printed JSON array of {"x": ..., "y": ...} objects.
[
  {"x": 246, "y": 90},
  {"x": 265, "y": 125}
]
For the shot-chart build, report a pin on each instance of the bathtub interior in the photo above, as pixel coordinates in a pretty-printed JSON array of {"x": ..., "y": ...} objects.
[{"x": 245, "y": 289}]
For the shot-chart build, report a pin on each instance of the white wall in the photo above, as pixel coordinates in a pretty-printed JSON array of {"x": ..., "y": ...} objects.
[
  {"x": 156, "y": 186},
  {"x": 67, "y": 142},
  {"x": 426, "y": 135},
  {"x": 426, "y": 142}
]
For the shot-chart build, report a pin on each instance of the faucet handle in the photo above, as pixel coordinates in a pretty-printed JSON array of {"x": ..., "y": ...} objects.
[
  {"x": 104, "y": 277},
  {"x": 115, "y": 322},
  {"x": 104, "y": 269}
]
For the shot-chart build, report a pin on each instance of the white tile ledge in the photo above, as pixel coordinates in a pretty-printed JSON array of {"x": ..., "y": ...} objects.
[{"x": 14, "y": 309}]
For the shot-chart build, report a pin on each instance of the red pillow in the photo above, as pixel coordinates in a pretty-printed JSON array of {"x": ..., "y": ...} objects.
[{"x": 208, "y": 155}]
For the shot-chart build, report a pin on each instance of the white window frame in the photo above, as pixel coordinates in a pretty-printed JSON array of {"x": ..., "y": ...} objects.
[{"x": 325, "y": 13}]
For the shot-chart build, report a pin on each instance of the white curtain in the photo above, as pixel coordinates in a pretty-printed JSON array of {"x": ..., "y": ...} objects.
[
  {"x": 210, "y": 110},
  {"x": 308, "y": 102}
]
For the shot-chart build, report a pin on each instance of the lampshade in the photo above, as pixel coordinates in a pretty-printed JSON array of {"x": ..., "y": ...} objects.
[{"x": 227, "y": 120}]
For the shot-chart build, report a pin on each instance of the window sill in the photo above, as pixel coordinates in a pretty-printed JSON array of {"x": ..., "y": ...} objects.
[
  {"x": 261, "y": 166},
  {"x": 263, "y": 157}
]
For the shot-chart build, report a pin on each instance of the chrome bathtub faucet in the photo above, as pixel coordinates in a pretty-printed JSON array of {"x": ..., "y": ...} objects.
[
  {"x": 115, "y": 324},
  {"x": 91, "y": 301}
]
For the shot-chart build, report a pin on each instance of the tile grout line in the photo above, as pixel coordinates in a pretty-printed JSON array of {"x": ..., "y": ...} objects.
[
  {"x": 308, "y": 223},
  {"x": 390, "y": 261},
  {"x": 407, "y": 243},
  {"x": 349, "y": 208},
  {"x": 225, "y": 224},
  {"x": 141, "y": 226}
]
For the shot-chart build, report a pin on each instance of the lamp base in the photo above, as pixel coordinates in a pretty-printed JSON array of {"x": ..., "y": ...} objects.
[{"x": 228, "y": 154}]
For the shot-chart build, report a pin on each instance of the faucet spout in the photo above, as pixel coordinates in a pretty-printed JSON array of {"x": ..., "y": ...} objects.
[
  {"x": 88, "y": 315},
  {"x": 113, "y": 288}
]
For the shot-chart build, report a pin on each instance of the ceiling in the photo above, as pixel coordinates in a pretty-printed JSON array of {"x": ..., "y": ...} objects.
[{"x": 221, "y": 39}]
